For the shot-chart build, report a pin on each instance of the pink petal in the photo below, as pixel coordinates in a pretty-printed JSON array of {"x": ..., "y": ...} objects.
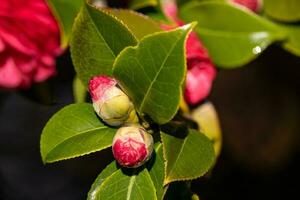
[
  {"x": 198, "y": 82},
  {"x": 16, "y": 42},
  {"x": 98, "y": 85},
  {"x": 43, "y": 73},
  {"x": 254, "y": 5},
  {"x": 2, "y": 45},
  {"x": 10, "y": 75}
]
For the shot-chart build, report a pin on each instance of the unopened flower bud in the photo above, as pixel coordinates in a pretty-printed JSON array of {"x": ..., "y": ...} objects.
[
  {"x": 199, "y": 80},
  {"x": 132, "y": 146},
  {"x": 201, "y": 71},
  {"x": 110, "y": 102},
  {"x": 254, "y": 5}
]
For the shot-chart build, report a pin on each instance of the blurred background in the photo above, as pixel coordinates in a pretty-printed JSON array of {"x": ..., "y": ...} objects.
[{"x": 259, "y": 110}]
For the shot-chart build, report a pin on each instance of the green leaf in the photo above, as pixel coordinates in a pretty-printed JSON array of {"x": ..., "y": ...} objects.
[
  {"x": 187, "y": 156},
  {"x": 156, "y": 170},
  {"x": 292, "y": 44},
  {"x": 138, "y": 4},
  {"x": 79, "y": 90},
  {"x": 108, "y": 171},
  {"x": 65, "y": 12},
  {"x": 140, "y": 25},
  {"x": 283, "y": 10},
  {"x": 97, "y": 39},
  {"x": 232, "y": 35},
  {"x": 74, "y": 131},
  {"x": 152, "y": 73},
  {"x": 128, "y": 185}
]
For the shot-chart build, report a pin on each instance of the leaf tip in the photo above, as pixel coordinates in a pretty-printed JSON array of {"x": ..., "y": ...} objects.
[
  {"x": 189, "y": 26},
  {"x": 44, "y": 160}
]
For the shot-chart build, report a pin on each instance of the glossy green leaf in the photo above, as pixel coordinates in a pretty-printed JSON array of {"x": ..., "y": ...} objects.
[
  {"x": 79, "y": 90},
  {"x": 156, "y": 170},
  {"x": 140, "y": 25},
  {"x": 130, "y": 186},
  {"x": 97, "y": 39},
  {"x": 292, "y": 44},
  {"x": 152, "y": 73},
  {"x": 138, "y": 4},
  {"x": 108, "y": 171},
  {"x": 74, "y": 131},
  {"x": 65, "y": 12},
  {"x": 187, "y": 156},
  {"x": 232, "y": 35},
  {"x": 283, "y": 10}
]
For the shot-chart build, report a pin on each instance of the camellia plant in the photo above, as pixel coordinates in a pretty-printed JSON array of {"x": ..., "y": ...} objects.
[{"x": 142, "y": 79}]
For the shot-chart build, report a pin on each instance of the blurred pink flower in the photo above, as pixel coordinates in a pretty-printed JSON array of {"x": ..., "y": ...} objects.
[
  {"x": 201, "y": 71},
  {"x": 254, "y": 5},
  {"x": 29, "y": 43}
]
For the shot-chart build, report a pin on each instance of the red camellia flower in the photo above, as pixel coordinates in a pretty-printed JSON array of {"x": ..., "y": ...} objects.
[
  {"x": 29, "y": 42},
  {"x": 254, "y": 5},
  {"x": 132, "y": 146},
  {"x": 201, "y": 71}
]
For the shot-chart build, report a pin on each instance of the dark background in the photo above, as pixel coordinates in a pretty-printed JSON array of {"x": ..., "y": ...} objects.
[{"x": 259, "y": 111}]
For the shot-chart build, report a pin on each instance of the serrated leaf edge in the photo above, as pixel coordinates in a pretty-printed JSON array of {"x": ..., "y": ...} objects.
[
  {"x": 142, "y": 5},
  {"x": 96, "y": 187},
  {"x": 106, "y": 11},
  {"x": 165, "y": 186},
  {"x": 85, "y": 6},
  {"x": 133, "y": 13},
  {"x": 74, "y": 156},
  {"x": 169, "y": 180}
]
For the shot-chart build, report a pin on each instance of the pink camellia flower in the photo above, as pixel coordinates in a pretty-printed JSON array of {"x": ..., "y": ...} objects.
[
  {"x": 110, "y": 103},
  {"x": 201, "y": 71},
  {"x": 254, "y": 5},
  {"x": 132, "y": 146},
  {"x": 29, "y": 42}
]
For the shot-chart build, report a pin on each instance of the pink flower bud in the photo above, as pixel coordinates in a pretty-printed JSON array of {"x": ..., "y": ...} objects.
[
  {"x": 201, "y": 71},
  {"x": 254, "y": 5},
  {"x": 111, "y": 104},
  {"x": 199, "y": 81},
  {"x": 132, "y": 146}
]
